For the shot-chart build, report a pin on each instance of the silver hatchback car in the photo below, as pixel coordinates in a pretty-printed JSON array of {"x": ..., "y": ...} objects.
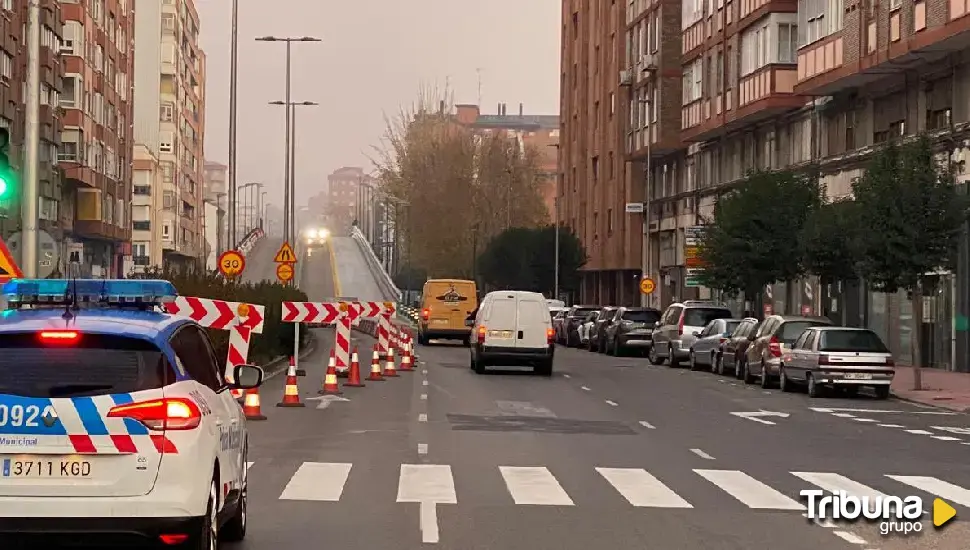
[{"x": 674, "y": 334}]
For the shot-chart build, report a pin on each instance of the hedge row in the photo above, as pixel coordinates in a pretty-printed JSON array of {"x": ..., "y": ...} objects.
[{"x": 276, "y": 338}]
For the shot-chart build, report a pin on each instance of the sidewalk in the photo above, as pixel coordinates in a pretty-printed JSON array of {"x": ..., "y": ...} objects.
[{"x": 945, "y": 389}]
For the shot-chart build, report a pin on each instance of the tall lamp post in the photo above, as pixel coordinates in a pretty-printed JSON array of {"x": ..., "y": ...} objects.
[
  {"x": 249, "y": 210},
  {"x": 290, "y": 194},
  {"x": 555, "y": 290},
  {"x": 289, "y": 211},
  {"x": 233, "y": 81}
]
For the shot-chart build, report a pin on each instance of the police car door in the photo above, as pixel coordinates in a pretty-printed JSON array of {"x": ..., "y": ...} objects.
[{"x": 220, "y": 418}]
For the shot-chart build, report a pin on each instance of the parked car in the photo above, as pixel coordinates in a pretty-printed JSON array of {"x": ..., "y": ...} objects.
[
  {"x": 597, "y": 336},
  {"x": 569, "y": 335},
  {"x": 707, "y": 346},
  {"x": 512, "y": 328},
  {"x": 773, "y": 340},
  {"x": 675, "y": 331},
  {"x": 733, "y": 350},
  {"x": 557, "y": 314},
  {"x": 632, "y": 328},
  {"x": 586, "y": 327},
  {"x": 843, "y": 357}
]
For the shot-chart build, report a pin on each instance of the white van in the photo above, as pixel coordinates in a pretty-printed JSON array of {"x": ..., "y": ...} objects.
[{"x": 512, "y": 328}]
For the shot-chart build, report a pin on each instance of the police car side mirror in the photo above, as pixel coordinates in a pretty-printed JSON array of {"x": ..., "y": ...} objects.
[
  {"x": 246, "y": 377},
  {"x": 469, "y": 322}
]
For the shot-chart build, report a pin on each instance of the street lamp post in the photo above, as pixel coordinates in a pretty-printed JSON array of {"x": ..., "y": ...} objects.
[
  {"x": 233, "y": 80},
  {"x": 556, "y": 208},
  {"x": 250, "y": 203},
  {"x": 289, "y": 210},
  {"x": 290, "y": 194}
]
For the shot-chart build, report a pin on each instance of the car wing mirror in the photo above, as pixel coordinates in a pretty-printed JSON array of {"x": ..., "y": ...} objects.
[
  {"x": 697, "y": 334},
  {"x": 469, "y": 322},
  {"x": 246, "y": 377}
]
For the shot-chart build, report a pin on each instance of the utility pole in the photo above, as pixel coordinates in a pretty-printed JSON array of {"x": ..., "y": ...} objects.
[
  {"x": 646, "y": 258},
  {"x": 290, "y": 191},
  {"x": 29, "y": 209},
  {"x": 233, "y": 81}
]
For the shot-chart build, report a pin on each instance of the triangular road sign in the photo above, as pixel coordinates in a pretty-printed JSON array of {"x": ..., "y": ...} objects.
[
  {"x": 8, "y": 267},
  {"x": 285, "y": 254}
]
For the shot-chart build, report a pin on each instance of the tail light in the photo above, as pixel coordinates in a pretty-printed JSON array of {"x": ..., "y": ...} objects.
[
  {"x": 59, "y": 336},
  {"x": 550, "y": 336},
  {"x": 170, "y": 413},
  {"x": 774, "y": 346},
  {"x": 824, "y": 360},
  {"x": 680, "y": 325},
  {"x": 890, "y": 362},
  {"x": 723, "y": 339},
  {"x": 425, "y": 313},
  {"x": 481, "y": 335},
  {"x": 173, "y": 540}
]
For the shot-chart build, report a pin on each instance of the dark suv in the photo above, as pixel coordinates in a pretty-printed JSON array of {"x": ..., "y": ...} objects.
[
  {"x": 570, "y": 325},
  {"x": 631, "y": 329}
]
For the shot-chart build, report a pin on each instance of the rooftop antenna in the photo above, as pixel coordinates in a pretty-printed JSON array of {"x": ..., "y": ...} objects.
[{"x": 478, "y": 71}]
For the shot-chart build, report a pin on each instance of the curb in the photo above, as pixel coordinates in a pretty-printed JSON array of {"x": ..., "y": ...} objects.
[
  {"x": 275, "y": 367},
  {"x": 930, "y": 405}
]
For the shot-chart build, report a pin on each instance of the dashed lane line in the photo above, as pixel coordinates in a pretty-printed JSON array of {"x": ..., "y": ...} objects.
[
  {"x": 647, "y": 425},
  {"x": 422, "y": 417},
  {"x": 702, "y": 454},
  {"x": 584, "y": 388},
  {"x": 611, "y": 403}
]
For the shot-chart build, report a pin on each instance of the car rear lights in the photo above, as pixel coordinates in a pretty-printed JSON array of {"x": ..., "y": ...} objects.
[
  {"x": 481, "y": 334},
  {"x": 550, "y": 336},
  {"x": 890, "y": 362},
  {"x": 173, "y": 540},
  {"x": 774, "y": 346},
  {"x": 169, "y": 413},
  {"x": 425, "y": 313},
  {"x": 59, "y": 336}
]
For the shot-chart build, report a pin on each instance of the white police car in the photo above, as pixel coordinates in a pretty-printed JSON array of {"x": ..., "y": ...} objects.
[{"x": 116, "y": 425}]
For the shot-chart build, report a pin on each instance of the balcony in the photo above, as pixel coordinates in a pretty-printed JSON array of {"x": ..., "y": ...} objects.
[
  {"x": 825, "y": 67},
  {"x": 762, "y": 94},
  {"x": 100, "y": 230}
]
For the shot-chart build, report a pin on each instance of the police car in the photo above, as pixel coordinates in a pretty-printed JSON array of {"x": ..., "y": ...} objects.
[{"x": 116, "y": 424}]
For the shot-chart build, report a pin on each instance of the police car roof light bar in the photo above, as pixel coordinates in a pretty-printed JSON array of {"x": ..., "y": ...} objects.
[{"x": 134, "y": 292}]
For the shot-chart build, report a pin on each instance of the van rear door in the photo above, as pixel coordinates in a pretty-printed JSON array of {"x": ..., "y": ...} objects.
[
  {"x": 500, "y": 327},
  {"x": 532, "y": 323}
]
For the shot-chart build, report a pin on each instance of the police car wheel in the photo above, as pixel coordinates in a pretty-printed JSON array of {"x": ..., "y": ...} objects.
[
  {"x": 235, "y": 529},
  {"x": 208, "y": 538}
]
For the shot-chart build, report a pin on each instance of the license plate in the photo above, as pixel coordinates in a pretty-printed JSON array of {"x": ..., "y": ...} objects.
[
  {"x": 500, "y": 333},
  {"x": 858, "y": 376},
  {"x": 439, "y": 321},
  {"x": 23, "y": 467}
]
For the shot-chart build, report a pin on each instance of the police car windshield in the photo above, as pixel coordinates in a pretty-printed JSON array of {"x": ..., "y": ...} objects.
[{"x": 96, "y": 364}]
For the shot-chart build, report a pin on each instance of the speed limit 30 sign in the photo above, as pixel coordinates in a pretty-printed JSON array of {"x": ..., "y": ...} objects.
[{"x": 231, "y": 263}]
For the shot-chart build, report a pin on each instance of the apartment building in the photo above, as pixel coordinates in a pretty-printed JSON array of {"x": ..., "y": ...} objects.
[
  {"x": 168, "y": 210},
  {"x": 538, "y": 131},
  {"x": 347, "y": 188},
  {"x": 96, "y": 131},
  {"x": 216, "y": 196}
]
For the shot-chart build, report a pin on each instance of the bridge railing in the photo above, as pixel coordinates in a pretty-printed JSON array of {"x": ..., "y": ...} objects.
[{"x": 384, "y": 281}]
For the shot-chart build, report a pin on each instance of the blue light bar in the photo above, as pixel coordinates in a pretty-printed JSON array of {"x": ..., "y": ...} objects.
[{"x": 110, "y": 291}]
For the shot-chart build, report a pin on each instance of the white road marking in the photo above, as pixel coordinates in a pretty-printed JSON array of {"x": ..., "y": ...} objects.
[
  {"x": 422, "y": 448},
  {"x": 748, "y": 490},
  {"x": 424, "y": 397},
  {"x": 534, "y": 485},
  {"x": 835, "y": 482},
  {"x": 851, "y": 538},
  {"x": 945, "y": 438},
  {"x": 641, "y": 489},
  {"x": 426, "y": 483},
  {"x": 429, "y": 523},
  {"x": 647, "y": 425},
  {"x": 865, "y": 420},
  {"x": 321, "y": 481},
  {"x": 702, "y": 454},
  {"x": 422, "y": 417},
  {"x": 843, "y": 415},
  {"x": 424, "y": 382},
  {"x": 937, "y": 487},
  {"x": 879, "y": 411},
  {"x": 891, "y": 426},
  {"x": 249, "y": 465},
  {"x": 827, "y": 523},
  {"x": 918, "y": 432},
  {"x": 424, "y": 372},
  {"x": 952, "y": 429},
  {"x": 611, "y": 403},
  {"x": 566, "y": 376},
  {"x": 584, "y": 388}
]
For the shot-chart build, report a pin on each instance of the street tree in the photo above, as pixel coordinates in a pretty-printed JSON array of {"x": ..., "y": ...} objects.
[
  {"x": 524, "y": 258},
  {"x": 752, "y": 240},
  {"x": 454, "y": 187},
  {"x": 913, "y": 217},
  {"x": 828, "y": 241}
]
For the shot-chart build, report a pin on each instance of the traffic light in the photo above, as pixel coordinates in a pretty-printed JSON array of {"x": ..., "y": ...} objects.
[{"x": 8, "y": 176}]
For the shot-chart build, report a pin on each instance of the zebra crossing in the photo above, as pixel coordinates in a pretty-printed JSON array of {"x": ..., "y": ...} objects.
[{"x": 639, "y": 488}]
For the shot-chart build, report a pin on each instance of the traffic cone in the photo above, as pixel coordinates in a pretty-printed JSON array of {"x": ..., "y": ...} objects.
[
  {"x": 390, "y": 370},
  {"x": 353, "y": 375},
  {"x": 299, "y": 372},
  {"x": 291, "y": 392},
  {"x": 330, "y": 386},
  {"x": 375, "y": 368},
  {"x": 406, "y": 363},
  {"x": 252, "y": 408}
]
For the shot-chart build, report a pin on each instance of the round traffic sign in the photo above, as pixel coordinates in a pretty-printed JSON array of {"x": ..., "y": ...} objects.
[
  {"x": 231, "y": 263},
  {"x": 284, "y": 272},
  {"x": 647, "y": 285}
]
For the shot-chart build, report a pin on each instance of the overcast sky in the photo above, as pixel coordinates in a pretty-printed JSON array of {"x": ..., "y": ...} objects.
[{"x": 374, "y": 58}]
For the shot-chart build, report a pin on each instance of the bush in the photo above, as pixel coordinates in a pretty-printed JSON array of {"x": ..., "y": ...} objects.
[{"x": 277, "y": 336}]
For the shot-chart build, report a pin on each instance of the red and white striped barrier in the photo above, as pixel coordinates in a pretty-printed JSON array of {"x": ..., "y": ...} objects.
[
  {"x": 241, "y": 319},
  {"x": 311, "y": 312},
  {"x": 344, "y": 315}
]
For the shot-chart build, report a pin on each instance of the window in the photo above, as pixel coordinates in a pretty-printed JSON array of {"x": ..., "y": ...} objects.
[
  {"x": 787, "y": 43},
  {"x": 612, "y": 104},
  {"x": 166, "y": 232},
  {"x": 194, "y": 356},
  {"x": 168, "y": 22},
  {"x": 167, "y": 112},
  {"x": 99, "y": 58},
  {"x": 693, "y": 81},
  {"x": 168, "y": 171},
  {"x": 609, "y": 221},
  {"x": 166, "y": 142},
  {"x": 6, "y": 65},
  {"x": 754, "y": 49}
]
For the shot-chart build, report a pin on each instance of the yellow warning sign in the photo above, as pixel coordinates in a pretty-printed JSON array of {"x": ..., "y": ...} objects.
[
  {"x": 647, "y": 286},
  {"x": 8, "y": 268},
  {"x": 942, "y": 513},
  {"x": 285, "y": 255},
  {"x": 284, "y": 272}
]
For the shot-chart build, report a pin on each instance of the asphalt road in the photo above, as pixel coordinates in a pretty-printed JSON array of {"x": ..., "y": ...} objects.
[
  {"x": 608, "y": 453},
  {"x": 259, "y": 261}
]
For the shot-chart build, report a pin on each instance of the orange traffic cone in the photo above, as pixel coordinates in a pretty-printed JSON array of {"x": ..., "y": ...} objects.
[
  {"x": 375, "y": 368},
  {"x": 353, "y": 375},
  {"x": 406, "y": 363},
  {"x": 330, "y": 386},
  {"x": 299, "y": 372},
  {"x": 390, "y": 370},
  {"x": 252, "y": 408},
  {"x": 291, "y": 392}
]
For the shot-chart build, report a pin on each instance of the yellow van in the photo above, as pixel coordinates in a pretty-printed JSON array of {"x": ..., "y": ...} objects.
[{"x": 445, "y": 304}]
